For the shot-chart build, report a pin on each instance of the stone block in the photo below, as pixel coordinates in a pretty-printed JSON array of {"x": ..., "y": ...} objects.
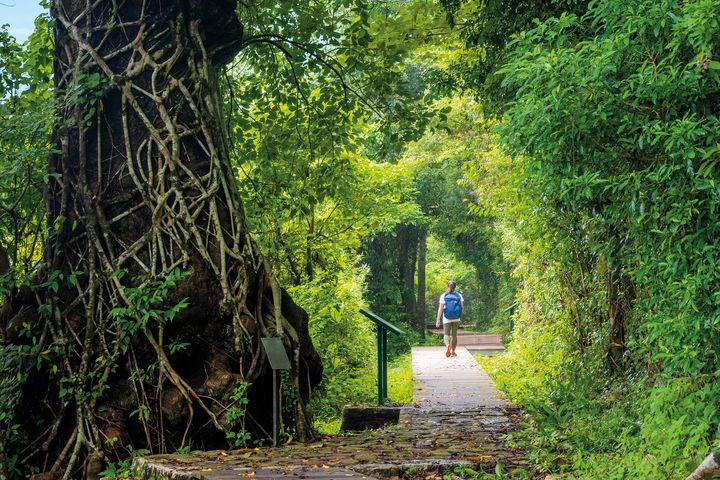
[{"x": 357, "y": 418}]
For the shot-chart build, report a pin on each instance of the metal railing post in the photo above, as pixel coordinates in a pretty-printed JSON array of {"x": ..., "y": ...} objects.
[
  {"x": 383, "y": 326},
  {"x": 384, "y": 365},
  {"x": 381, "y": 400}
]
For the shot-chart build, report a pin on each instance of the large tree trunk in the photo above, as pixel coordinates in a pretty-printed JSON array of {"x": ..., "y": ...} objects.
[{"x": 141, "y": 188}]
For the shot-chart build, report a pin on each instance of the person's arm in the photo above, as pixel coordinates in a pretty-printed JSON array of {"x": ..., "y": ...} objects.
[{"x": 439, "y": 315}]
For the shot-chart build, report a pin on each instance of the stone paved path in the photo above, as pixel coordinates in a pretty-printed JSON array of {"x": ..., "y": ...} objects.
[{"x": 457, "y": 418}]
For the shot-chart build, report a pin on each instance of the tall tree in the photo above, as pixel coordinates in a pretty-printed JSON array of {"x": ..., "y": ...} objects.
[
  {"x": 150, "y": 306},
  {"x": 407, "y": 238},
  {"x": 420, "y": 314}
]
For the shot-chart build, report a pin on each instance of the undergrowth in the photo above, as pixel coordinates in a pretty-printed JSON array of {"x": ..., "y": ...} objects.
[
  {"x": 582, "y": 423},
  {"x": 362, "y": 389},
  {"x": 499, "y": 473}
]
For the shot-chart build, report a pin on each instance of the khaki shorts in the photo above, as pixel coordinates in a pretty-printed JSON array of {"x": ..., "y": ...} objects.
[{"x": 450, "y": 331}]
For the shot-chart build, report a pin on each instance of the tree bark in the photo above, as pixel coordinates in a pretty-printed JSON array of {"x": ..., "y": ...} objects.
[
  {"x": 620, "y": 295},
  {"x": 709, "y": 468},
  {"x": 421, "y": 302},
  {"x": 141, "y": 188},
  {"x": 407, "y": 236}
]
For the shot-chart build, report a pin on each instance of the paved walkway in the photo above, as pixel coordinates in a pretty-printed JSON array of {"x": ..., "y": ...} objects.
[
  {"x": 458, "y": 418},
  {"x": 455, "y": 383}
]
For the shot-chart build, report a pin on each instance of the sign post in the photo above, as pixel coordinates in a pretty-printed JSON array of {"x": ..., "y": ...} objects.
[{"x": 275, "y": 351}]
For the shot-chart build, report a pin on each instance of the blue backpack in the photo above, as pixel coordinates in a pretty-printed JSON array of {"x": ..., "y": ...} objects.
[{"x": 453, "y": 307}]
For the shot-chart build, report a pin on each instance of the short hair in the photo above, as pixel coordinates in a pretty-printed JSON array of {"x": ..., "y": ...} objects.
[{"x": 451, "y": 285}]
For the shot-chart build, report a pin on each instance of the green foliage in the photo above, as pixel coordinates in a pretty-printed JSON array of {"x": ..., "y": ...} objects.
[
  {"x": 591, "y": 429},
  {"x": 346, "y": 342},
  {"x": 443, "y": 266},
  {"x": 14, "y": 366},
  {"x": 486, "y": 27},
  {"x": 234, "y": 416},
  {"x": 123, "y": 468},
  {"x": 626, "y": 162},
  {"x": 499, "y": 474},
  {"x": 462, "y": 246},
  {"x": 400, "y": 384},
  {"x": 301, "y": 134},
  {"x": 594, "y": 197},
  {"x": 324, "y": 95},
  {"x": 147, "y": 305},
  {"x": 344, "y": 339},
  {"x": 610, "y": 184},
  {"x": 26, "y": 116}
]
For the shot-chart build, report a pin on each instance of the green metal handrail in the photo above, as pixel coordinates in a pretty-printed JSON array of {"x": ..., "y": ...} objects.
[{"x": 383, "y": 326}]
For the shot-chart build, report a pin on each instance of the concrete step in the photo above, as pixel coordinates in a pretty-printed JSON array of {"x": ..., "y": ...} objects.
[
  {"x": 473, "y": 338},
  {"x": 488, "y": 350},
  {"x": 479, "y": 339}
]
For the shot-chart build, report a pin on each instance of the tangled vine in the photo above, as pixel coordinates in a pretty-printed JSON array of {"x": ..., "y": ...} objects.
[{"x": 148, "y": 313}]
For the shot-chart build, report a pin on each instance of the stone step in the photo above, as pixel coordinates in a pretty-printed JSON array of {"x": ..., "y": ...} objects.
[{"x": 149, "y": 469}]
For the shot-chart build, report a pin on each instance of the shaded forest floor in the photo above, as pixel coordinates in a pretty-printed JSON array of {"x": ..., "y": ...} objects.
[{"x": 455, "y": 427}]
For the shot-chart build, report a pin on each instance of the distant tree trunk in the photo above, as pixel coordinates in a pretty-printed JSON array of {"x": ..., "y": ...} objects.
[
  {"x": 383, "y": 285},
  {"x": 616, "y": 349},
  {"x": 141, "y": 187},
  {"x": 620, "y": 295},
  {"x": 309, "y": 268},
  {"x": 422, "y": 263},
  {"x": 407, "y": 236}
]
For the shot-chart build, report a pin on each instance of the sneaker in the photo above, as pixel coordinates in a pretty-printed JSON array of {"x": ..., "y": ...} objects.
[
  {"x": 448, "y": 352},
  {"x": 454, "y": 354}
]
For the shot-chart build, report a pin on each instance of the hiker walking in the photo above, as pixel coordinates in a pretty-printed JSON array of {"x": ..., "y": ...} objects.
[{"x": 450, "y": 310}]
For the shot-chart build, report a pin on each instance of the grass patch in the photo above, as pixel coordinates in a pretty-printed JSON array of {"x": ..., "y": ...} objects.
[
  {"x": 400, "y": 384},
  {"x": 362, "y": 389},
  {"x": 327, "y": 426},
  {"x": 433, "y": 340}
]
